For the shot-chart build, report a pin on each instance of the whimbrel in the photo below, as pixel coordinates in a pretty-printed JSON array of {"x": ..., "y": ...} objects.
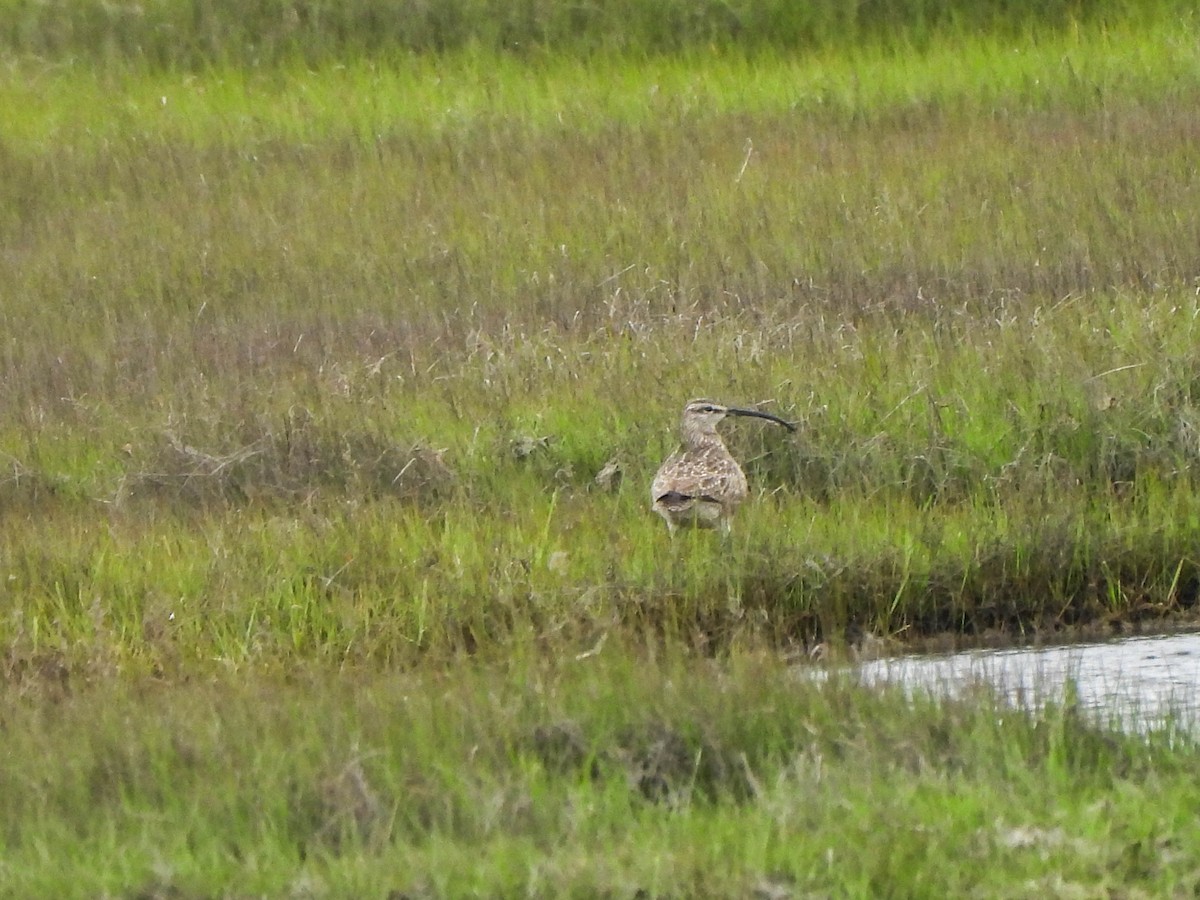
[{"x": 701, "y": 484}]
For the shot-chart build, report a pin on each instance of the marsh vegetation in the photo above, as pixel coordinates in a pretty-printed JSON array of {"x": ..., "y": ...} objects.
[{"x": 313, "y": 347}]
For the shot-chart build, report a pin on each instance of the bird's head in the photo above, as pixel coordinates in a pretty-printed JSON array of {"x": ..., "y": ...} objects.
[{"x": 703, "y": 416}]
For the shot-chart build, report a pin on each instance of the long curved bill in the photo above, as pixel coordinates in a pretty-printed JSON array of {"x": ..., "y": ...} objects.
[{"x": 739, "y": 411}]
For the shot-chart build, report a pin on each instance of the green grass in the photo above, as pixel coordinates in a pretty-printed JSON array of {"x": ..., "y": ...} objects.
[
  {"x": 312, "y": 357},
  {"x": 176, "y": 34},
  {"x": 472, "y": 90},
  {"x": 307, "y": 370},
  {"x": 603, "y": 776}
]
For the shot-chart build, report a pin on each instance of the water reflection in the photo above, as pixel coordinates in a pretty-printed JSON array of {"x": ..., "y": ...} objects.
[{"x": 1135, "y": 683}]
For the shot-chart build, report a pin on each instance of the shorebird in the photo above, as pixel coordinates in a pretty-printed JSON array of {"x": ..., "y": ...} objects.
[{"x": 701, "y": 484}]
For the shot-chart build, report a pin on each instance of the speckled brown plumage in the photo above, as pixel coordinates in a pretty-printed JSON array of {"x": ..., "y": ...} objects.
[{"x": 701, "y": 484}]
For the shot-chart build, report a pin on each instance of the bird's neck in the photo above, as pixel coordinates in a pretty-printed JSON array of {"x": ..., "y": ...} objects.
[{"x": 702, "y": 440}]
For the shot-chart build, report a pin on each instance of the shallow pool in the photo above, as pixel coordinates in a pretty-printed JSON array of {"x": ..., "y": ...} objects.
[{"x": 1134, "y": 683}]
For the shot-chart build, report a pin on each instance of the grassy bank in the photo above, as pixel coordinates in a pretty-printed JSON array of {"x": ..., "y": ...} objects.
[
  {"x": 339, "y": 388},
  {"x": 1007, "y": 476},
  {"x": 615, "y": 775}
]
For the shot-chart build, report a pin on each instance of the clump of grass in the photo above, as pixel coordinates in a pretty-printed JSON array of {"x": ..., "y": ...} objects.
[{"x": 293, "y": 463}]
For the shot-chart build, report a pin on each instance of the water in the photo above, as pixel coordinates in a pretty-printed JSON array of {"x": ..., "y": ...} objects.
[{"x": 1135, "y": 683}]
